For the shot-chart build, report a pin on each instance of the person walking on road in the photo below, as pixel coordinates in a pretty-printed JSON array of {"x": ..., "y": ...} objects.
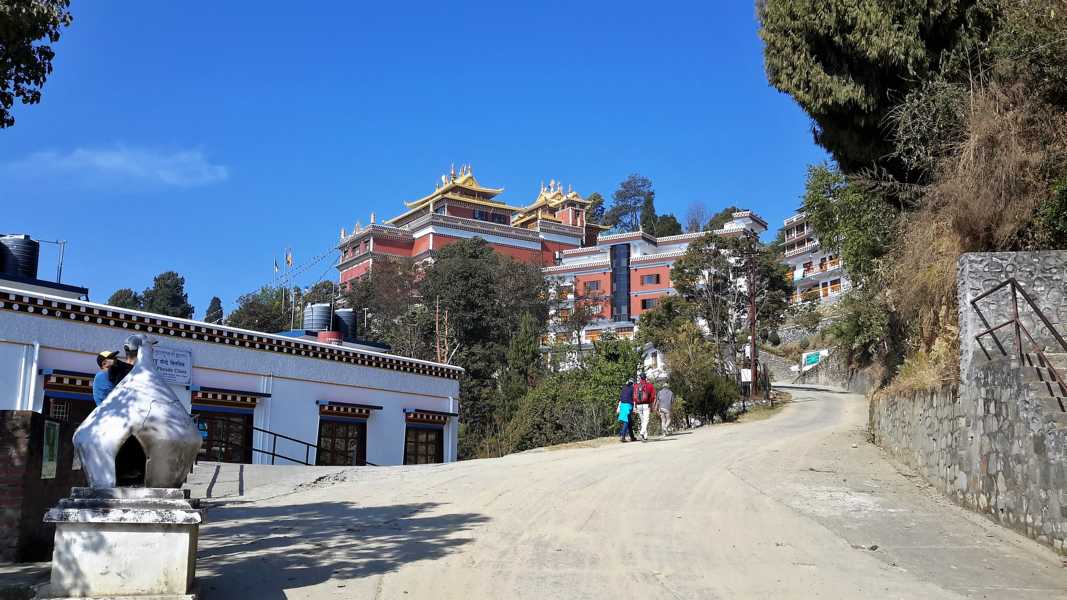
[
  {"x": 644, "y": 397},
  {"x": 625, "y": 411},
  {"x": 664, "y": 401}
]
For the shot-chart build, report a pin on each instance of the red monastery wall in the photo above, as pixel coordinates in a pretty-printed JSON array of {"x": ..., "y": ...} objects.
[{"x": 393, "y": 246}]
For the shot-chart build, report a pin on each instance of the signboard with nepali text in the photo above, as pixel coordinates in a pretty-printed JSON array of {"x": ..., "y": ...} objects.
[{"x": 174, "y": 365}]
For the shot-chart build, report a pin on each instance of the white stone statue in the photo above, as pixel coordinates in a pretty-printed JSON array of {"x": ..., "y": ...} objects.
[{"x": 143, "y": 406}]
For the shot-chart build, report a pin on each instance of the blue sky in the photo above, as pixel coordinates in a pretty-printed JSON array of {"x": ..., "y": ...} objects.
[{"x": 205, "y": 137}]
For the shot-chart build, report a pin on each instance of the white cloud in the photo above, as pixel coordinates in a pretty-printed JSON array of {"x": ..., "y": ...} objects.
[{"x": 182, "y": 168}]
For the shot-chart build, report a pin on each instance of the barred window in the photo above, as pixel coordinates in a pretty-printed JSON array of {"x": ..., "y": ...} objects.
[{"x": 58, "y": 410}]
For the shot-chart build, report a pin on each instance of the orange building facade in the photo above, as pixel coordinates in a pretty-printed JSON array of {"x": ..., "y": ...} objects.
[
  {"x": 461, "y": 208},
  {"x": 626, "y": 275}
]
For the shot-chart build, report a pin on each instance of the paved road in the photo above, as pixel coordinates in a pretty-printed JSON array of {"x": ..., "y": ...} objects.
[{"x": 796, "y": 506}]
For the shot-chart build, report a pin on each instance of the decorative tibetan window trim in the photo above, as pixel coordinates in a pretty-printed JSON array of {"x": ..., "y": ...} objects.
[
  {"x": 106, "y": 316},
  {"x": 70, "y": 382},
  {"x": 428, "y": 417},
  {"x": 207, "y": 398},
  {"x": 346, "y": 410}
]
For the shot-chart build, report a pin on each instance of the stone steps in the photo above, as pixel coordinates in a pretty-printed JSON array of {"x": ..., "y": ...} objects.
[
  {"x": 1053, "y": 408},
  {"x": 1057, "y": 359}
]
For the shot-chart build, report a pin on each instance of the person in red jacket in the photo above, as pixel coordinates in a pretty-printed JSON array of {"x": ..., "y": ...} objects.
[{"x": 644, "y": 397}]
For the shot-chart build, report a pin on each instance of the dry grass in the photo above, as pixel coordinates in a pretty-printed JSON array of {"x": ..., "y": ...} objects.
[{"x": 761, "y": 412}]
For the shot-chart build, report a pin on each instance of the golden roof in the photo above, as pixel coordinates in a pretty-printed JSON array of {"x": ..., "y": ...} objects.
[
  {"x": 450, "y": 182},
  {"x": 552, "y": 196}
]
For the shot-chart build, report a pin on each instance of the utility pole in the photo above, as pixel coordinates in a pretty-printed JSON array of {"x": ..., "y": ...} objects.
[{"x": 752, "y": 317}]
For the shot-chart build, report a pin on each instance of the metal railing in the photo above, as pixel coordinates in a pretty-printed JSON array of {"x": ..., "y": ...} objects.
[
  {"x": 273, "y": 453},
  {"x": 1020, "y": 329}
]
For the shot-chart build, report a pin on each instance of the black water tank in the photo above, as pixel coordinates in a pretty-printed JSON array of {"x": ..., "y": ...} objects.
[
  {"x": 19, "y": 255},
  {"x": 345, "y": 322}
]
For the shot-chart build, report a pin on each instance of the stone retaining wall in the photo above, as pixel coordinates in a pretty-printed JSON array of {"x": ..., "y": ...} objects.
[
  {"x": 986, "y": 445},
  {"x": 835, "y": 372},
  {"x": 1042, "y": 274},
  {"x": 989, "y": 443}
]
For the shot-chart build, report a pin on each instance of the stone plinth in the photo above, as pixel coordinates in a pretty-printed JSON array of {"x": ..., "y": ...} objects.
[{"x": 124, "y": 542}]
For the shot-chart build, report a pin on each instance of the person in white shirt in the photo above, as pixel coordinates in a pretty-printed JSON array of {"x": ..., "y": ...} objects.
[{"x": 664, "y": 401}]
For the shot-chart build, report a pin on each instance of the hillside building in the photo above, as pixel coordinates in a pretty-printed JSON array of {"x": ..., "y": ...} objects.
[
  {"x": 625, "y": 275},
  {"x": 461, "y": 208},
  {"x": 817, "y": 274}
]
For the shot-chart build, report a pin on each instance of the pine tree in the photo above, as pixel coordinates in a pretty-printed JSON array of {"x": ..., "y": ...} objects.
[
  {"x": 167, "y": 296},
  {"x": 648, "y": 213},
  {"x": 126, "y": 298},
  {"x": 214, "y": 311},
  {"x": 627, "y": 202},
  {"x": 848, "y": 63},
  {"x": 595, "y": 212}
]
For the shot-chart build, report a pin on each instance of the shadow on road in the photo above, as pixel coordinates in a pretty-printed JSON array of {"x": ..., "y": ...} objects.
[{"x": 259, "y": 552}]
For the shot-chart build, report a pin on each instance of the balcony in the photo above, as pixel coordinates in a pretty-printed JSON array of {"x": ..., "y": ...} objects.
[
  {"x": 820, "y": 294},
  {"x": 826, "y": 267},
  {"x": 811, "y": 245},
  {"x": 798, "y": 236}
]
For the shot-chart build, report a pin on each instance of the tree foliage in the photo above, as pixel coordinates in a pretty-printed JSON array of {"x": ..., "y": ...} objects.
[
  {"x": 667, "y": 224},
  {"x": 627, "y": 203},
  {"x": 697, "y": 374},
  {"x": 214, "y": 311},
  {"x": 713, "y": 276},
  {"x": 595, "y": 212},
  {"x": 721, "y": 218},
  {"x": 383, "y": 298},
  {"x": 126, "y": 298},
  {"x": 649, "y": 219},
  {"x": 847, "y": 63},
  {"x": 485, "y": 294},
  {"x": 854, "y": 222},
  {"x": 167, "y": 296},
  {"x": 267, "y": 310},
  {"x": 26, "y": 62}
]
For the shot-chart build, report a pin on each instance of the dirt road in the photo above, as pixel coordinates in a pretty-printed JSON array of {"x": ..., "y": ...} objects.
[{"x": 796, "y": 506}]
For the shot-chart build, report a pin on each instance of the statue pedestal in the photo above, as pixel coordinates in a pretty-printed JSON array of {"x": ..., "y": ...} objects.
[{"x": 124, "y": 542}]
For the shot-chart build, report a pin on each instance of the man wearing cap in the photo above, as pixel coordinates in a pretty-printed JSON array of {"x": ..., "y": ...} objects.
[{"x": 112, "y": 370}]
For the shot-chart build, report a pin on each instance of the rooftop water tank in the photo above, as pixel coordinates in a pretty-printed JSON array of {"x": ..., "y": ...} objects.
[
  {"x": 345, "y": 322},
  {"x": 19, "y": 255},
  {"x": 317, "y": 317}
]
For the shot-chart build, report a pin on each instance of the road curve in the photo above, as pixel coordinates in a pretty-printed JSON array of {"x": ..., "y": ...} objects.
[{"x": 796, "y": 506}]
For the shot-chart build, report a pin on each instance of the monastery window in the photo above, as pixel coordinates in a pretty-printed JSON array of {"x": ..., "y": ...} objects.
[
  {"x": 342, "y": 443},
  {"x": 591, "y": 286},
  {"x": 650, "y": 279},
  {"x": 485, "y": 215},
  {"x": 649, "y": 303},
  {"x": 423, "y": 446}
]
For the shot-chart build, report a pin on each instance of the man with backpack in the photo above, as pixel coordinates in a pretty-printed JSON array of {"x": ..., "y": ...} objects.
[{"x": 644, "y": 397}]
